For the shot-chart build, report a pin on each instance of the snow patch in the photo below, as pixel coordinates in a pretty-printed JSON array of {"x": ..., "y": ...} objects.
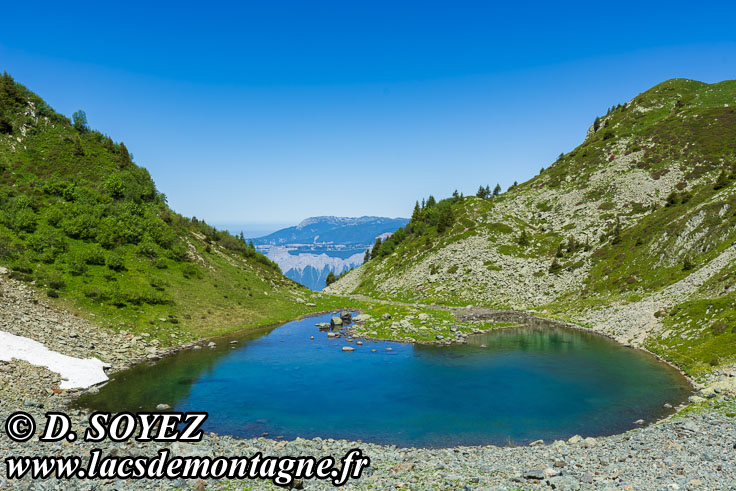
[{"x": 75, "y": 373}]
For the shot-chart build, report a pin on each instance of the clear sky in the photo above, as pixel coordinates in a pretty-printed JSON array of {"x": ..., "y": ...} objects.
[{"x": 258, "y": 114}]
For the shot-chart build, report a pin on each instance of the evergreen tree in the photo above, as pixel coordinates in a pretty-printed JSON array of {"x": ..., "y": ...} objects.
[
  {"x": 109, "y": 145},
  {"x": 376, "y": 248},
  {"x": 415, "y": 214},
  {"x": 596, "y": 124},
  {"x": 124, "y": 155},
  {"x": 431, "y": 202},
  {"x": 330, "y": 278},
  {"x": 424, "y": 205},
  {"x": 497, "y": 190},
  {"x": 242, "y": 237},
  {"x": 445, "y": 220},
  {"x": 251, "y": 247},
  {"x": 555, "y": 267},
  {"x": 456, "y": 195},
  {"x": 367, "y": 256},
  {"x": 481, "y": 192}
]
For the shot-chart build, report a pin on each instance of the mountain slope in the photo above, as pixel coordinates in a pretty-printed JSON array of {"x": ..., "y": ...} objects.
[
  {"x": 633, "y": 231},
  {"x": 80, "y": 220}
]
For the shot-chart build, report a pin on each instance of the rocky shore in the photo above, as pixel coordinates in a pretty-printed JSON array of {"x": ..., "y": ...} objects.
[{"x": 688, "y": 451}]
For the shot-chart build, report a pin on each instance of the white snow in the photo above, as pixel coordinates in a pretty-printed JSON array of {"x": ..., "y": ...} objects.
[{"x": 75, "y": 372}]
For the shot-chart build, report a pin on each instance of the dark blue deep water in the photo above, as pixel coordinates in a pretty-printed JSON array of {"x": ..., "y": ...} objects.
[{"x": 528, "y": 384}]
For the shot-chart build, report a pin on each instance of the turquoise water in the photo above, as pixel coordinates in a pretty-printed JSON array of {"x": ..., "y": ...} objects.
[{"x": 528, "y": 384}]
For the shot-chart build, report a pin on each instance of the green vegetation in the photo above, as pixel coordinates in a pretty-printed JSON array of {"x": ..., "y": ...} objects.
[
  {"x": 654, "y": 203},
  {"x": 81, "y": 221}
]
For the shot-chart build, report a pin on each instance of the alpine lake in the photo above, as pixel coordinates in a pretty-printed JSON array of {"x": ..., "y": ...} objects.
[{"x": 526, "y": 384}]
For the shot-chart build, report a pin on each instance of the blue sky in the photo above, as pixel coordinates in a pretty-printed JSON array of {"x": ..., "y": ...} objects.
[{"x": 258, "y": 114}]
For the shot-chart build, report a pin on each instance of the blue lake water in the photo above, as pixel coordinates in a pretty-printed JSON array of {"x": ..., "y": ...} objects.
[{"x": 528, "y": 384}]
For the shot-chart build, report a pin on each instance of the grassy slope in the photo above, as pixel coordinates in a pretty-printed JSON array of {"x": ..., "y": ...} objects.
[
  {"x": 610, "y": 195},
  {"x": 81, "y": 221}
]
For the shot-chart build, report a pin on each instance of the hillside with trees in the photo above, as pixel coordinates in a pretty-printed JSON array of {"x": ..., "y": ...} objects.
[{"x": 85, "y": 224}]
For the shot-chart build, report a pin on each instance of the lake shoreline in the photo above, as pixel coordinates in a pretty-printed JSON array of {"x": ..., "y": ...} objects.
[{"x": 589, "y": 462}]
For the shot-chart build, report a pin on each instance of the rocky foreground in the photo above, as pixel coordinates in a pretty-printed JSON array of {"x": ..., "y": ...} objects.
[{"x": 690, "y": 451}]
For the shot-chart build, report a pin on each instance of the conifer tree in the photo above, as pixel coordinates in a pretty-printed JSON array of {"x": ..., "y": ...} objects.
[
  {"x": 445, "y": 220},
  {"x": 431, "y": 201},
  {"x": 497, "y": 190},
  {"x": 481, "y": 192},
  {"x": 124, "y": 155},
  {"x": 330, "y": 278},
  {"x": 415, "y": 214},
  {"x": 376, "y": 248},
  {"x": 367, "y": 256}
]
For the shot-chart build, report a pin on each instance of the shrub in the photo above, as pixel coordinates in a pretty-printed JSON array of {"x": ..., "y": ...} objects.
[
  {"x": 55, "y": 281},
  {"x": 115, "y": 262},
  {"x": 555, "y": 267},
  {"x": 452, "y": 269},
  {"x": 178, "y": 253},
  {"x": 52, "y": 293},
  {"x": 190, "y": 271},
  {"x": 76, "y": 264},
  {"x": 687, "y": 264},
  {"x": 94, "y": 255},
  {"x": 722, "y": 181},
  {"x": 523, "y": 239}
]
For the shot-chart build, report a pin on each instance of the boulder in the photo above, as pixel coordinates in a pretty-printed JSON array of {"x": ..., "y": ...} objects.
[
  {"x": 361, "y": 318},
  {"x": 348, "y": 348},
  {"x": 335, "y": 321},
  {"x": 346, "y": 316}
]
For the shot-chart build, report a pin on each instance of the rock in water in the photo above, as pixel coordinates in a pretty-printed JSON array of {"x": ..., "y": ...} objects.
[
  {"x": 348, "y": 348},
  {"x": 346, "y": 317},
  {"x": 335, "y": 321}
]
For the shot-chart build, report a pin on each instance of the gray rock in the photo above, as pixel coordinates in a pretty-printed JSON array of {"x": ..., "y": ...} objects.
[
  {"x": 162, "y": 407},
  {"x": 538, "y": 474},
  {"x": 564, "y": 483}
]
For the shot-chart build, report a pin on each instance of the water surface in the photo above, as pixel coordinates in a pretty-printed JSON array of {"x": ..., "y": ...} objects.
[{"x": 527, "y": 384}]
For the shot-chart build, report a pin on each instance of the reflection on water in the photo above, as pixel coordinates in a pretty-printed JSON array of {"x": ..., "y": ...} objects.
[{"x": 525, "y": 384}]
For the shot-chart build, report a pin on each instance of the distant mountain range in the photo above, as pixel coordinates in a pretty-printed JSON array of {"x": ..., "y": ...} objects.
[{"x": 309, "y": 251}]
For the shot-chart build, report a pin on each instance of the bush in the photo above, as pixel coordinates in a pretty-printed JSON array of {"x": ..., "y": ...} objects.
[
  {"x": 178, "y": 253},
  {"x": 115, "y": 262},
  {"x": 52, "y": 293},
  {"x": 76, "y": 264},
  {"x": 94, "y": 255},
  {"x": 555, "y": 267},
  {"x": 190, "y": 271},
  {"x": 452, "y": 269}
]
